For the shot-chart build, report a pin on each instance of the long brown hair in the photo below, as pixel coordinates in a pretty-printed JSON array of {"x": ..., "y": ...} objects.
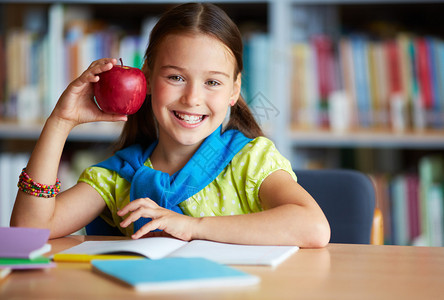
[{"x": 201, "y": 18}]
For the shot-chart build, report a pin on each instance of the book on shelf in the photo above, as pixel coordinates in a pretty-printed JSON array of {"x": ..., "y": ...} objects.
[
  {"x": 400, "y": 219},
  {"x": 359, "y": 52},
  {"x": 41, "y": 63},
  {"x": 256, "y": 87},
  {"x": 11, "y": 164},
  {"x": 413, "y": 204},
  {"x": 413, "y": 209},
  {"x": 424, "y": 70},
  {"x": 393, "y": 83},
  {"x": 327, "y": 81},
  {"x": 161, "y": 247},
  {"x": 431, "y": 174},
  {"x": 304, "y": 90},
  {"x": 2, "y": 71},
  {"x": 174, "y": 273}
]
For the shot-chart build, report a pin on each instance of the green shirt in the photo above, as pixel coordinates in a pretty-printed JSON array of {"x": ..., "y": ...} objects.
[{"x": 234, "y": 191}]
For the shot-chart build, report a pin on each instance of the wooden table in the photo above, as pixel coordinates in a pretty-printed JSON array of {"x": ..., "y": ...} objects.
[{"x": 339, "y": 271}]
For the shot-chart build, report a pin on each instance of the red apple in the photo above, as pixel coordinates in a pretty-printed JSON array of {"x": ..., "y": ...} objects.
[{"x": 120, "y": 90}]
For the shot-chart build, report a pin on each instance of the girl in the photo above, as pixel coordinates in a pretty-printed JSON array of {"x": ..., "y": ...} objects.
[{"x": 178, "y": 168}]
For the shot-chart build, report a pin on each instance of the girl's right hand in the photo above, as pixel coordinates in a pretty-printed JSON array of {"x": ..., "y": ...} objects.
[{"x": 76, "y": 105}]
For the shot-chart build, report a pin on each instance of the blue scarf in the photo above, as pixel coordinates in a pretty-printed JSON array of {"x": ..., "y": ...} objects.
[{"x": 213, "y": 155}]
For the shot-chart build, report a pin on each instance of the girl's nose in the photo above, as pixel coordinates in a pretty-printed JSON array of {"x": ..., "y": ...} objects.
[{"x": 192, "y": 95}]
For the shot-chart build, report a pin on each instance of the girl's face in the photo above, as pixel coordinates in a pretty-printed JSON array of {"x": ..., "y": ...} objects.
[{"x": 192, "y": 84}]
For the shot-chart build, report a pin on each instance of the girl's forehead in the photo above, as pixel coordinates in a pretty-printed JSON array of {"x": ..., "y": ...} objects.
[
  {"x": 202, "y": 46},
  {"x": 194, "y": 39}
]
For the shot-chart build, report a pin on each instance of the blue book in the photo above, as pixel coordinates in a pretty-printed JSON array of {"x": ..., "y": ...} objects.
[
  {"x": 432, "y": 47},
  {"x": 173, "y": 273},
  {"x": 359, "y": 45}
]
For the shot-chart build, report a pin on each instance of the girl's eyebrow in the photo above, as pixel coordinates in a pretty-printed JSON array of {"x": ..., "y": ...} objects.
[{"x": 183, "y": 69}]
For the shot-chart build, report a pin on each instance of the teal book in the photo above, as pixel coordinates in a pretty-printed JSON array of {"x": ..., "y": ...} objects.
[{"x": 173, "y": 273}]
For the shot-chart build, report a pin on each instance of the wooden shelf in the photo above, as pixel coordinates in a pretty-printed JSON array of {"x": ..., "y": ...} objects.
[
  {"x": 373, "y": 139},
  {"x": 100, "y": 132}
]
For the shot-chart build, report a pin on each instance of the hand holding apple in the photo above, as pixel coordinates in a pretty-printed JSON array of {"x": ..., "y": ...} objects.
[{"x": 120, "y": 90}]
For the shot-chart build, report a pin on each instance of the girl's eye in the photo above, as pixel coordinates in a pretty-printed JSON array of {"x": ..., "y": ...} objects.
[
  {"x": 175, "y": 78},
  {"x": 213, "y": 83}
]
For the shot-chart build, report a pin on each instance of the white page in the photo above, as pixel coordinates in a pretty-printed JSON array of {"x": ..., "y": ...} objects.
[
  {"x": 233, "y": 254},
  {"x": 154, "y": 247}
]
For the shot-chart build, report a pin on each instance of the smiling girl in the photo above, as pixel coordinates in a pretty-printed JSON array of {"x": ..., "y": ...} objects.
[{"x": 179, "y": 169}]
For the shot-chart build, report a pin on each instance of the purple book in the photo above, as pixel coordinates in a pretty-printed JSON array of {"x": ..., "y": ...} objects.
[{"x": 20, "y": 242}]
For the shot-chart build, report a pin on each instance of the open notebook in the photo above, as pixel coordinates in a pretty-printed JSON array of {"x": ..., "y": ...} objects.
[{"x": 161, "y": 247}]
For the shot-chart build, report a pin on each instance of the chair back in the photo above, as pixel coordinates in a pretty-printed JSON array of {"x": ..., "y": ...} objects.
[
  {"x": 98, "y": 226},
  {"x": 347, "y": 198}
]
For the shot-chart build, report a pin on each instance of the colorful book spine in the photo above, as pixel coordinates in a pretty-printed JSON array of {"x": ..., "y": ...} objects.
[
  {"x": 392, "y": 83},
  {"x": 424, "y": 74}
]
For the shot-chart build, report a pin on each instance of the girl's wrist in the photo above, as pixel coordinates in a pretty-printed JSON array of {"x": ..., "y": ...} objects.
[
  {"x": 196, "y": 229},
  {"x": 60, "y": 124}
]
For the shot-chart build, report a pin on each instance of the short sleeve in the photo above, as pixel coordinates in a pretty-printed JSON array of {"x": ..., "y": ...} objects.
[
  {"x": 114, "y": 191},
  {"x": 256, "y": 161}
]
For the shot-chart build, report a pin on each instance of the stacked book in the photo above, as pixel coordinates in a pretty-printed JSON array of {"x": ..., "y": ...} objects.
[{"x": 23, "y": 248}]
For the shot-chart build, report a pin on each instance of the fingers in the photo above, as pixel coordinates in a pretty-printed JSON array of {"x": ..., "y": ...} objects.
[
  {"x": 161, "y": 218},
  {"x": 97, "y": 67},
  {"x": 102, "y": 65},
  {"x": 90, "y": 75},
  {"x": 112, "y": 117},
  {"x": 134, "y": 205},
  {"x": 139, "y": 208},
  {"x": 103, "y": 61},
  {"x": 147, "y": 228}
]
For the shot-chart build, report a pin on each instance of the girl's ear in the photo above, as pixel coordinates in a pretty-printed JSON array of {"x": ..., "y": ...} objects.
[{"x": 236, "y": 90}]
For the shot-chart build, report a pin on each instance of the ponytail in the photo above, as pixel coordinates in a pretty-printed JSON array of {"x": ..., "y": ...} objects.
[
  {"x": 140, "y": 128},
  {"x": 243, "y": 120}
]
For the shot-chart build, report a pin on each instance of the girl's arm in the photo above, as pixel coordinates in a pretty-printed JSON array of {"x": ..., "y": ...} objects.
[
  {"x": 291, "y": 217},
  {"x": 66, "y": 212}
]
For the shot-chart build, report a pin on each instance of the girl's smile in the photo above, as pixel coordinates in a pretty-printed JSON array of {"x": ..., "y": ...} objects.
[{"x": 189, "y": 120}]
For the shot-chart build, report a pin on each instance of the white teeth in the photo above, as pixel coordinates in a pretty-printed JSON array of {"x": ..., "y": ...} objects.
[{"x": 190, "y": 119}]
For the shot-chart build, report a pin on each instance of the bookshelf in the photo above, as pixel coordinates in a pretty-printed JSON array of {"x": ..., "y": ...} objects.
[{"x": 389, "y": 149}]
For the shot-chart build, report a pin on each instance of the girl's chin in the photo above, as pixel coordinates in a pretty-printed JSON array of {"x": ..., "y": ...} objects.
[{"x": 192, "y": 137}]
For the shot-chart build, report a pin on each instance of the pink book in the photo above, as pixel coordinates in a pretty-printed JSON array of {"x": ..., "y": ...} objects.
[{"x": 20, "y": 242}]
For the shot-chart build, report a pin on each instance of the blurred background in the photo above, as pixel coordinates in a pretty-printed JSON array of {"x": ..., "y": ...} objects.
[{"x": 335, "y": 84}]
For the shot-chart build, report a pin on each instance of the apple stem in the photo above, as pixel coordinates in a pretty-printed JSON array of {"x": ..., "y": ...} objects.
[{"x": 121, "y": 62}]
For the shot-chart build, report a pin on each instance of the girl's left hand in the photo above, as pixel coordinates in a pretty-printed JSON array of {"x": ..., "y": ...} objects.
[{"x": 174, "y": 224}]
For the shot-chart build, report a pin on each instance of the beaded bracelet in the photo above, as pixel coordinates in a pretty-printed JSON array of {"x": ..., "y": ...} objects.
[{"x": 29, "y": 186}]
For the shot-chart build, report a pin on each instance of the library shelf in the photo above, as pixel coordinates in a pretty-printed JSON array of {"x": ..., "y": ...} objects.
[
  {"x": 99, "y": 132},
  {"x": 426, "y": 139}
]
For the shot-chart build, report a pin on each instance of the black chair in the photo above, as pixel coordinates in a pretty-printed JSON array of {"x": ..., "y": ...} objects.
[
  {"x": 98, "y": 226},
  {"x": 347, "y": 198}
]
